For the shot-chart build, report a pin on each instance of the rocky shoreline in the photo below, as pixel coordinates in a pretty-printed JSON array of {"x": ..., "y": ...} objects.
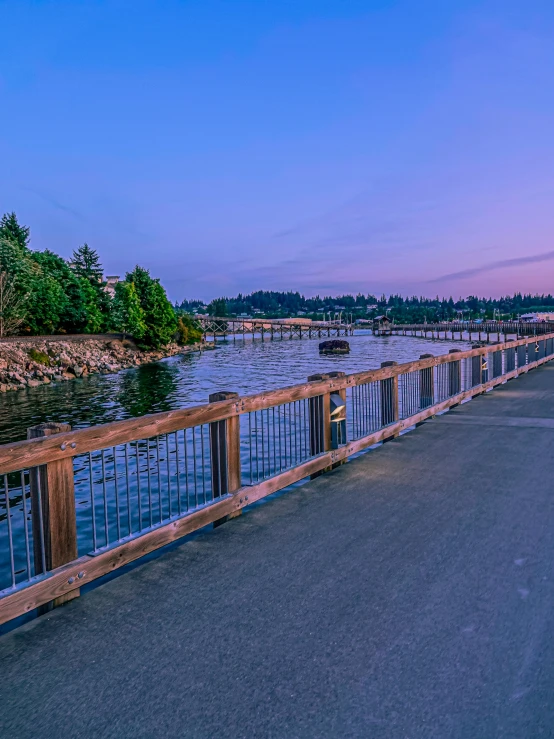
[{"x": 31, "y": 364}]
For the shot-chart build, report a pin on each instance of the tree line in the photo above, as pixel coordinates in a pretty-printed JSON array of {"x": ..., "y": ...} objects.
[
  {"x": 41, "y": 293},
  {"x": 273, "y": 304}
]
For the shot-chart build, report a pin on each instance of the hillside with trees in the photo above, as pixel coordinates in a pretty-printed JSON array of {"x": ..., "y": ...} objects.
[
  {"x": 271, "y": 304},
  {"x": 43, "y": 294}
]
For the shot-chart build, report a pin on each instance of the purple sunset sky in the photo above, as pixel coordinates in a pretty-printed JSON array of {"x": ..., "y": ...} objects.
[{"x": 318, "y": 145}]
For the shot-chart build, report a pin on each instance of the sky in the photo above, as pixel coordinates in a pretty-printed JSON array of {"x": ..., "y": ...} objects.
[{"x": 315, "y": 145}]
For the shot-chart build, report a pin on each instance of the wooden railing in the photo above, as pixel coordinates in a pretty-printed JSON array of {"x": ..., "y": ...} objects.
[
  {"x": 101, "y": 497},
  {"x": 485, "y": 328}
]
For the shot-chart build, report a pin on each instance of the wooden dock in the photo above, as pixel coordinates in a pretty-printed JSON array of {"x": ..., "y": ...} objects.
[
  {"x": 486, "y": 331},
  {"x": 272, "y": 328},
  {"x": 407, "y": 593}
]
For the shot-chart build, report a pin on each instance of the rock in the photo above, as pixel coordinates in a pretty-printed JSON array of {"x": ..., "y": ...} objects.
[
  {"x": 77, "y": 370},
  {"x": 3, "y": 388},
  {"x": 33, "y": 383},
  {"x": 334, "y": 346}
]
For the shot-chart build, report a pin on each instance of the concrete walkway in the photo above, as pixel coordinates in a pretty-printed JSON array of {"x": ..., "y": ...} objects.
[{"x": 409, "y": 593}]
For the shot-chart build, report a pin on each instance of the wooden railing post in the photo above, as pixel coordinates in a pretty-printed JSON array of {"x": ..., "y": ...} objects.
[
  {"x": 319, "y": 408},
  {"x": 225, "y": 454},
  {"x": 389, "y": 398},
  {"x": 53, "y": 506}
]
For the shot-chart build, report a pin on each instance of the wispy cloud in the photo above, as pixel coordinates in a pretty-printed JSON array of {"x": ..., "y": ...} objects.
[
  {"x": 493, "y": 266},
  {"x": 55, "y": 203}
]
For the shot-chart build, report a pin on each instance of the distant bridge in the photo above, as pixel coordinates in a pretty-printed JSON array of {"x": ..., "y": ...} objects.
[
  {"x": 468, "y": 331},
  {"x": 285, "y": 328}
]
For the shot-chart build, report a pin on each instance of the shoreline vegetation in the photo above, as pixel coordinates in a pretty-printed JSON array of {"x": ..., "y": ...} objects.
[{"x": 43, "y": 294}]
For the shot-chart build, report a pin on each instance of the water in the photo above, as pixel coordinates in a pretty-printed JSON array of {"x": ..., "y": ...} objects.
[
  {"x": 127, "y": 489},
  {"x": 244, "y": 366}
]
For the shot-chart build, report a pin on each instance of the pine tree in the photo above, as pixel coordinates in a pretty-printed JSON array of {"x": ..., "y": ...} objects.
[
  {"x": 86, "y": 263},
  {"x": 159, "y": 316},
  {"x": 127, "y": 311},
  {"x": 11, "y": 230}
]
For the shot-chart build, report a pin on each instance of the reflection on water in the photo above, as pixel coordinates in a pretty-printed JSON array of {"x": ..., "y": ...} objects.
[
  {"x": 129, "y": 488},
  {"x": 245, "y": 366}
]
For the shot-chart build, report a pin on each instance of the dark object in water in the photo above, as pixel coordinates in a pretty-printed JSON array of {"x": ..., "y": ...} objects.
[{"x": 334, "y": 346}]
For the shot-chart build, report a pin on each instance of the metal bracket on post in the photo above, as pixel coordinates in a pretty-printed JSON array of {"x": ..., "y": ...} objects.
[
  {"x": 338, "y": 416},
  {"x": 389, "y": 399},
  {"x": 225, "y": 454},
  {"x": 54, "y": 520}
]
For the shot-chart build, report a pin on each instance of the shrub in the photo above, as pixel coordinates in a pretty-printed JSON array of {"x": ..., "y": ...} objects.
[{"x": 39, "y": 357}]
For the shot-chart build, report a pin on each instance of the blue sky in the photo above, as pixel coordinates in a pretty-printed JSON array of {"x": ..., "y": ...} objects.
[{"x": 326, "y": 146}]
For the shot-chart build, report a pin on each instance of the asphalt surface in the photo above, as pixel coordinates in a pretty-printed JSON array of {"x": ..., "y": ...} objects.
[{"x": 409, "y": 593}]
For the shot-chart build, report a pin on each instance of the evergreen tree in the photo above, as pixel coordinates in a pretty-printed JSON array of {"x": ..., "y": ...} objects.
[
  {"x": 86, "y": 266},
  {"x": 95, "y": 320},
  {"x": 127, "y": 311},
  {"x": 159, "y": 316},
  {"x": 86, "y": 263},
  {"x": 218, "y": 307},
  {"x": 12, "y": 231}
]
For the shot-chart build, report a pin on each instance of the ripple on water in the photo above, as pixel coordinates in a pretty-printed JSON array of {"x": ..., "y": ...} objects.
[{"x": 245, "y": 366}]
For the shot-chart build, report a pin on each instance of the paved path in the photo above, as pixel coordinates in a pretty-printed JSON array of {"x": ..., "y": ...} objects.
[{"x": 408, "y": 594}]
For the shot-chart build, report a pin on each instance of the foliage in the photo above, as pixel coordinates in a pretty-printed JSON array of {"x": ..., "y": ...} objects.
[
  {"x": 86, "y": 266},
  {"x": 39, "y": 357},
  {"x": 157, "y": 312},
  {"x": 272, "y": 304},
  {"x": 11, "y": 230},
  {"x": 86, "y": 263},
  {"x": 12, "y": 306},
  {"x": 218, "y": 307},
  {"x": 127, "y": 311},
  {"x": 187, "y": 331}
]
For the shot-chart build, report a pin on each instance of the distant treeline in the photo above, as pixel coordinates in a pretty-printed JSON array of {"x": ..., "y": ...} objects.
[
  {"x": 402, "y": 309},
  {"x": 41, "y": 294}
]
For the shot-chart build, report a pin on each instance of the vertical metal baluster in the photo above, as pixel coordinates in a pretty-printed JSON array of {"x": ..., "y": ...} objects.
[
  {"x": 106, "y": 523},
  {"x": 168, "y": 473},
  {"x": 178, "y": 464},
  {"x": 295, "y": 432},
  {"x": 9, "y": 522},
  {"x": 139, "y": 496},
  {"x": 186, "y": 468},
  {"x": 274, "y": 444},
  {"x": 203, "y": 464},
  {"x": 250, "y": 445},
  {"x": 303, "y": 450},
  {"x": 128, "y": 487},
  {"x": 93, "y": 509},
  {"x": 116, "y": 494},
  {"x": 267, "y": 442},
  {"x": 280, "y": 439},
  {"x": 26, "y": 525},
  {"x": 194, "y": 464},
  {"x": 263, "y": 445},
  {"x": 149, "y": 481},
  {"x": 290, "y": 406},
  {"x": 256, "y": 440},
  {"x": 159, "y": 476}
]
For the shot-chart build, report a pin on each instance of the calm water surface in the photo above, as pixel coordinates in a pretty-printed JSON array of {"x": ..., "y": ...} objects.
[{"x": 244, "y": 366}]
